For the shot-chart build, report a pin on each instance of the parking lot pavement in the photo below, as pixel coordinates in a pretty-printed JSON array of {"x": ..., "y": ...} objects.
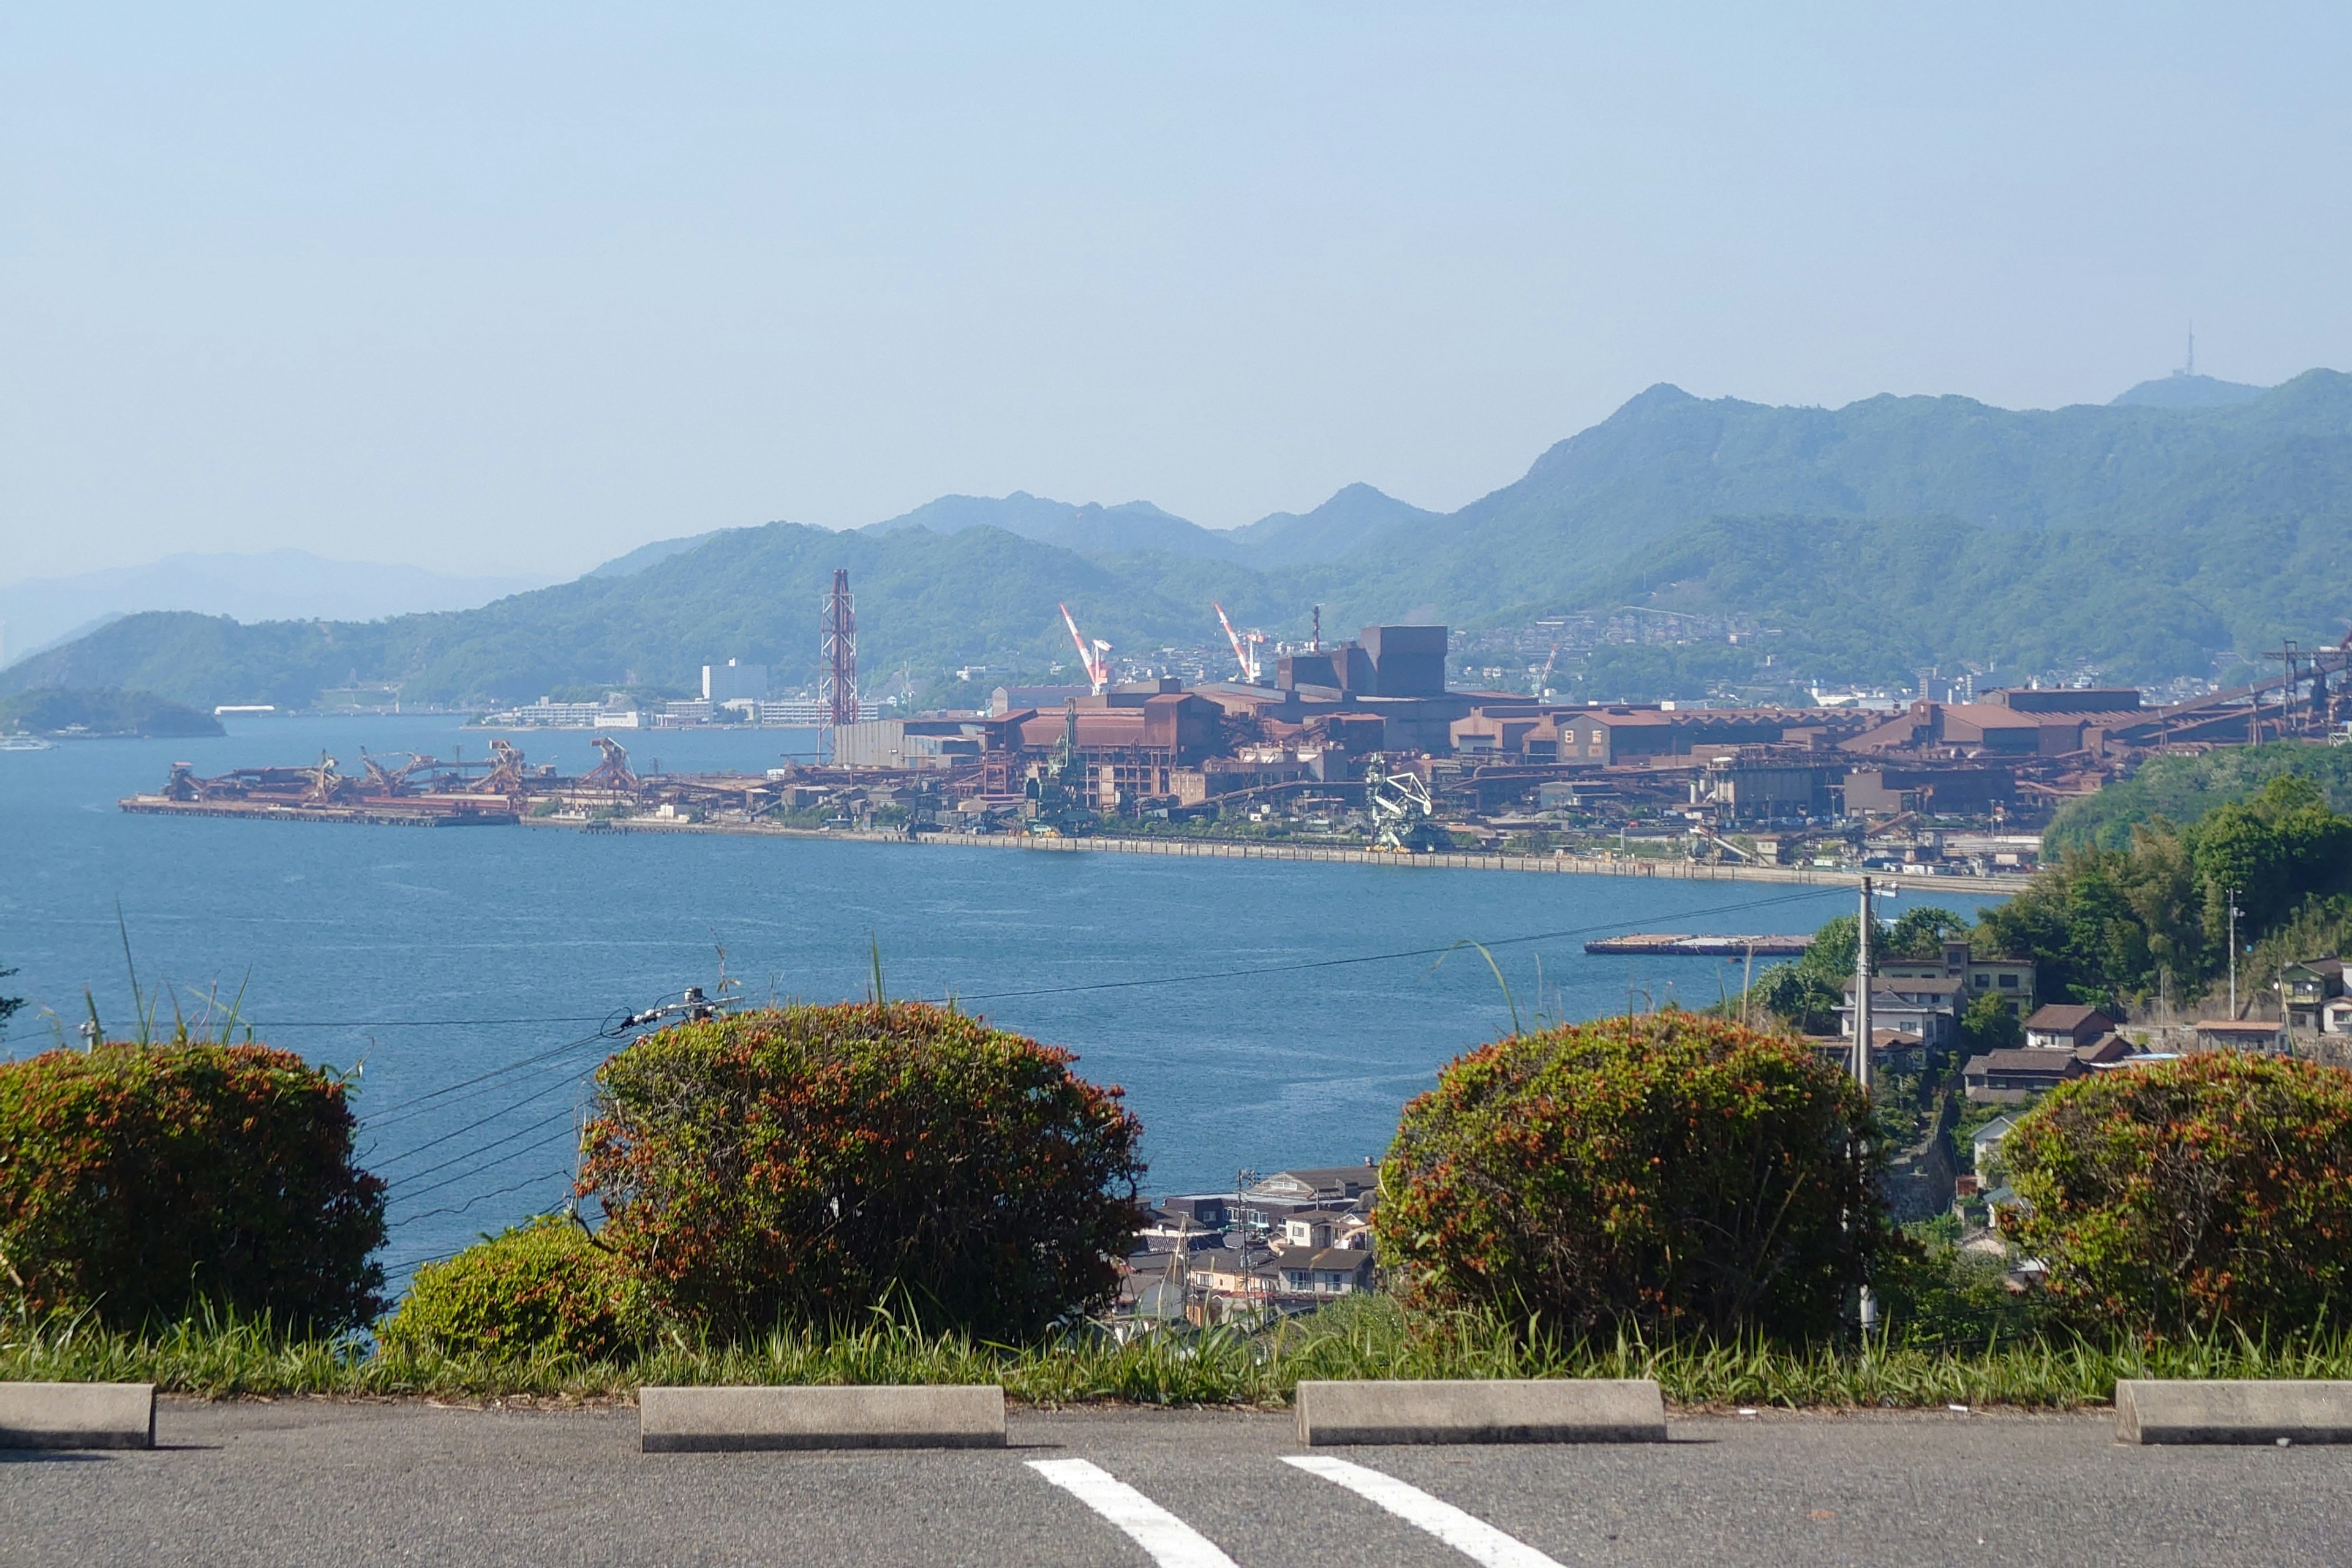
[{"x": 347, "y": 1486}]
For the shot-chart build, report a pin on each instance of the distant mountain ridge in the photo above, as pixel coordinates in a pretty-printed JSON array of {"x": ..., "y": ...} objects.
[
  {"x": 278, "y": 584},
  {"x": 1891, "y": 533},
  {"x": 2186, "y": 389}
]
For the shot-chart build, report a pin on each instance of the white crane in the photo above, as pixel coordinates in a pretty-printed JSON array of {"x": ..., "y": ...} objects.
[
  {"x": 1545, "y": 679},
  {"x": 1245, "y": 645},
  {"x": 1096, "y": 659}
]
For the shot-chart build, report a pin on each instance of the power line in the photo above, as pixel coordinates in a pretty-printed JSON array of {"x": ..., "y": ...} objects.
[
  {"x": 403, "y": 1184},
  {"x": 484, "y": 1198},
  {"x": 259, "y": 1028},
  {"x": 552, "y": 1139},
  {"x": 401, "y": 1110},
  {"x": 481, "y": 1122}
]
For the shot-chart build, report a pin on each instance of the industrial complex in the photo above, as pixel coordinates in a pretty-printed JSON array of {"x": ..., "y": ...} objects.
[{"x": 1356, "y": 743}]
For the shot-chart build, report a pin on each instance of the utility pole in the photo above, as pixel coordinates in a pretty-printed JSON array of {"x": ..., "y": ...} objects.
[
  {"x": 2234, "y": 913},
  {"x": 1862, "y": 1051}
]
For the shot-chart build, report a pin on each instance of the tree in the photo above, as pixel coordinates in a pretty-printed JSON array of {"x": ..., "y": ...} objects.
[
  {"x": 8, "y": 1004},
  {"x": 1919, "y": 933},
  {"x": 1671, "y": 1173},
  {"x": 1991, "y": 1023},
  {"x": 810, "y": 1165},
  {"x": 2187, "y": 1197},
  {"x": 143, "y": 1182}
]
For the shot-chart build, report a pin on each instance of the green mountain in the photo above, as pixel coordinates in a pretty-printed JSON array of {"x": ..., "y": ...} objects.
[
  {"x": 1864, "y": 542},
  {"x": 2186, "y": 389}
]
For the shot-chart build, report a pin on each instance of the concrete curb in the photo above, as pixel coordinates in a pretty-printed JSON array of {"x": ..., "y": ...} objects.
[
  {"x": 736, "y": 1419},
  {"x": 2226, "y": 1411},
  {"x": 1539, "y": 1410},
  {"x": 77, "y": 1415}
]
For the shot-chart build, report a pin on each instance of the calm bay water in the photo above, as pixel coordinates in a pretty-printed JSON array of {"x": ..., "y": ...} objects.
[{"x": 433, "y": 956}]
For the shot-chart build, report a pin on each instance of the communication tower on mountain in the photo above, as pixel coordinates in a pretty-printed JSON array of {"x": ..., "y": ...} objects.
[{"x": 838, "y": 692}]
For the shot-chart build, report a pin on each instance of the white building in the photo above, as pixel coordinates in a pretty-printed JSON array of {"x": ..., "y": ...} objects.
[{"x": 724, "y": 683}]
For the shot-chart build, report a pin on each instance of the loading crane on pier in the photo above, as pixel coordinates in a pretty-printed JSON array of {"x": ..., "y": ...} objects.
[
  {"x": 1246, "y": 646},
  {"x": 1404, "y": 817},
  {"x": 1094, "y": 656}
]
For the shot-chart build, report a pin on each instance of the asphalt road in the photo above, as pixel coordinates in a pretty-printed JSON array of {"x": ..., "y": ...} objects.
[{"x": 347, "y": 1486}]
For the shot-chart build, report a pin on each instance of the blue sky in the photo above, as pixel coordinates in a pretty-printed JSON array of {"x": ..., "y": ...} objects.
[{"x": 515, "y": 288}]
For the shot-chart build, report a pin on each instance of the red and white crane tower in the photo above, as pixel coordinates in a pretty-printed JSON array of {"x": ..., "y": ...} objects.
[
  {"x": 1245, "y": 645},
  {"x": 1094, "y": 654},
  {"x": 837, "y": 689}
]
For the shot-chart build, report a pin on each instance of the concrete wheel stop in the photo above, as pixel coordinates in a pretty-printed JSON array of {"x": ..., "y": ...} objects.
[
  {"x": 739, "y": 1419},
  {"x": 77, "y": 1415},
  {"x": 1534, "y": 1410},
  {"x": 2225, "y": 1411}
]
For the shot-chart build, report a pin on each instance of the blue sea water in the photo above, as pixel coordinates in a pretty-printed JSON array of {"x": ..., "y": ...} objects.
[{"x": 430, "y": 957}]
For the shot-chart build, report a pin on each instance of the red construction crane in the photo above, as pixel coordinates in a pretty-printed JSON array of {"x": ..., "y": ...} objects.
[
  {"x": 1094, "y": 656},
  {"x": 1246, "y": 644}
]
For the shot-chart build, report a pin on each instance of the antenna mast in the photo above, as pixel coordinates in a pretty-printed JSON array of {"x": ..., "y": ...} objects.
[{"x": 839, "y": 689}]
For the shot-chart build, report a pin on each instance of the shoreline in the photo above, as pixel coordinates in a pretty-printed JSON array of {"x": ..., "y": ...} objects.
[{"x": 1452, "y": 860}]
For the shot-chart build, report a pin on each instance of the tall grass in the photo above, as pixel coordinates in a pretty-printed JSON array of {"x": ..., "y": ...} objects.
[{"x": 222, "y": 1357}]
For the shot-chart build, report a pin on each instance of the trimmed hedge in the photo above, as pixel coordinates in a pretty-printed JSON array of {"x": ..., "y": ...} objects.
[
  {"x": 1673, "y": 1174},
  {"x": 144, "y": 1183},
  {"x": 2179, "y": 1197},
  {"x": 541, "y": 1287},
  {"x": 808, "y": 1164}
]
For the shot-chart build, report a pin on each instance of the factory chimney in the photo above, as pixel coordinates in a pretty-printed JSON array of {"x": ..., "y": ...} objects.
[{"x": 839, "y": 689}]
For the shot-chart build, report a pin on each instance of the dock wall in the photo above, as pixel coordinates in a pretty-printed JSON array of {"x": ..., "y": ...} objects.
[{"x": 1227, "y": 849}]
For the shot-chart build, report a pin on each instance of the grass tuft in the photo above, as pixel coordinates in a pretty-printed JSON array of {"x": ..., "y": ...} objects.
[{"x": 223, "y": 1357}]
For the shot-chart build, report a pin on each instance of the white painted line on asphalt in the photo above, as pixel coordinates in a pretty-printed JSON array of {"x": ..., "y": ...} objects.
[
  {"x": 1470, "y": 1536},
  {"x": 1171, "y": 1542}
]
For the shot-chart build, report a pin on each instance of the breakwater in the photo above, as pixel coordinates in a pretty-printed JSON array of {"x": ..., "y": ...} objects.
[{"x": 1657, "y": 866}]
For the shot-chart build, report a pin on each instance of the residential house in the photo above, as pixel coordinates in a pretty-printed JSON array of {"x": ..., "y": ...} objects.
[
  {"x": 2015, "y": 1077},
  {"x": 1325, "y": 1271},
  {"x": 2336, "y": 1017},
  {"x": 2009, "y": 977},
  {"x": 1984, "y": 1143},
  {"x": 2241, "y": 1035},
  {"x": 1319, "y": 1228},
  {"x": 2309, "y": 986},
  {"x": 1230, "y": 1272},
  {"x": 1267, "y": 1201},
  {"x": 1924, "y": 1008},
  {"x": 2065, "y": 1027}
]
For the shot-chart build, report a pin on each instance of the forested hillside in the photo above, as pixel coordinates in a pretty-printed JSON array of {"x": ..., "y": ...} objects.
[{"x": 1865, "y": 541}]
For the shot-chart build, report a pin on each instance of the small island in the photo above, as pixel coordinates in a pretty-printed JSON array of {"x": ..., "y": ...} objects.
[{"x": 104, "y": 713}]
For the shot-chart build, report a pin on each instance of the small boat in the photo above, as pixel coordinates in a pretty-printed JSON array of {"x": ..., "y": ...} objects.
[{"x": 23, "y": 742}]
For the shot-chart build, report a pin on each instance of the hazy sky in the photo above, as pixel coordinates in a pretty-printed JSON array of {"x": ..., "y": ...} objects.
[{"x": 515, "y": 288}]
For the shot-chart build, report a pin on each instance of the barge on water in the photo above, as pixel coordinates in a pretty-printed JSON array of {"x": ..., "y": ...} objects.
[
  {"x": 1682, "y": 944},
  {"x": 408, "y": 813}
]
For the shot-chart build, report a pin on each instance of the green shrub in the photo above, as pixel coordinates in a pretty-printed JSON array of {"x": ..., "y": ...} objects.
[
  {"x": 144, "y": 1180},
  {"x": 541, "y": 1287},
  {"x": 1671, "y": 1173},
  {"x": 2211, "y": 1192},
  {"x": 807, "y": 1165}
]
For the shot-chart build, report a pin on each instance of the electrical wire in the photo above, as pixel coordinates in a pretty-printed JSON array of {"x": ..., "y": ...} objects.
[
  {"x": 567, "y": 1081},
  {"x": 546, "y": 1142},
  {"x": 259, "y": 1026},
  {"x": 611, "y": 1025},
  {"x": 406, "y": 1184},
  {"x": 484, "y": 1198}
]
